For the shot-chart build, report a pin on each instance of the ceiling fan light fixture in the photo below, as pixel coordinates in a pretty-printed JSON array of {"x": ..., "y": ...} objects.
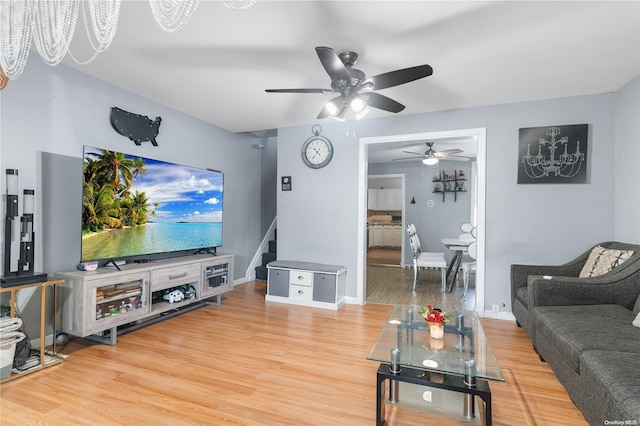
[
  {"x": 332, "y": 108},
  {"x": 357, "y": 104},
  {"x": 430, "y": 161}
]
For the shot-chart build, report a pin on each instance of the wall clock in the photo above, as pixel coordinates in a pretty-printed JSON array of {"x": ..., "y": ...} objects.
[{"x": 317, "y": 151}]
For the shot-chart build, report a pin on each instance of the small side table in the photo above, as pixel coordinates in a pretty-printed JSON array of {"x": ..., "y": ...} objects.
[{"x": 56, "y": 359}]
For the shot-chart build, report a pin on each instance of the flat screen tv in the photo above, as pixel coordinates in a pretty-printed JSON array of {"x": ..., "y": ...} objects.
[{"x": 134, "y": 207}]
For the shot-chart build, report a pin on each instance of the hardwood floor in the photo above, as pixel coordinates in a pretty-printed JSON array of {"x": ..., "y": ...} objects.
[
  {"x": 384, "y": 256},
  {"x": 394, "y": 286},
  {"x": 249, "y": 362}
]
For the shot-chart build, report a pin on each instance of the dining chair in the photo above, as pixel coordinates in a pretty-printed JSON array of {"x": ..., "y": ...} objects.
[
  {"x": 426, "y": 260},
  {"x": 469, "y": 261}
]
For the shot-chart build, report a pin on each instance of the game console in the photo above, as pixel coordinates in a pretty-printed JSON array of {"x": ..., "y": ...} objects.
[{"x": 174, "y": 296}]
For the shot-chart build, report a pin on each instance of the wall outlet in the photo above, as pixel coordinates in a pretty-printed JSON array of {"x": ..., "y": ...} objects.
[{"x": 495, "y": 309}]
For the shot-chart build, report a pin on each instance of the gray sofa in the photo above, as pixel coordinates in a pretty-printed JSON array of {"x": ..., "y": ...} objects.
[
  {"x": 582, "y": 328},
  {"x": 520, "y": 275}
]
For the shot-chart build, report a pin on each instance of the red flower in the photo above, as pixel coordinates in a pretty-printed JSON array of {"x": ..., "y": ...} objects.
[{"x": 434, "y": 315}]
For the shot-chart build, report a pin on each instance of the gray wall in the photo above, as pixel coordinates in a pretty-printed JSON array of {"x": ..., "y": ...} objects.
[
  {"x": 524, "y": 223},
  {"x": 627, "y": 156},
  {"x": 49, "y": 113},
  {"x": 443, "y": 219}
]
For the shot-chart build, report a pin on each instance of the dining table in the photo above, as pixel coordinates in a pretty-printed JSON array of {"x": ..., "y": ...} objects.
[{"x": 459, "y": 248}]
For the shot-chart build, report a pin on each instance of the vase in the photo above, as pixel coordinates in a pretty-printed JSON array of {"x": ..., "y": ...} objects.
[{"x": 436, "y": 329}]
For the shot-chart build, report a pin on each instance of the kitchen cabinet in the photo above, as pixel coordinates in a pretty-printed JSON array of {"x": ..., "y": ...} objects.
[
  {"x": 385, "y": 235},
  {"x": 384, "y": 199}
]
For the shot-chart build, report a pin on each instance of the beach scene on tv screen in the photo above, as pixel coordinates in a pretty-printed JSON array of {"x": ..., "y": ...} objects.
[{"x": 134, "y": 206}]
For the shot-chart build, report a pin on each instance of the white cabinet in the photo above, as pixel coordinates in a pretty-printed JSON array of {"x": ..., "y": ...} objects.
[
  {"x": 372, "y": 199},
  {"x": 384, "y": 199},
  {"x": 393, "y": 199},
  {"x": 385, "y": 235},
  {"x": 93, "y": 302},
  {"x": 376, "y": 233},
  {"x": 305, "y": 283},
  {"x": 392, "y": 236}
]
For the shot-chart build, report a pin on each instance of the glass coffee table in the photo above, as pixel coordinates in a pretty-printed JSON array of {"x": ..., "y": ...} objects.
[{"x": 462, "y": 362}]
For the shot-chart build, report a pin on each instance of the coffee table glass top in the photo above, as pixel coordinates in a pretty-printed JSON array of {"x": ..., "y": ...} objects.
[{"x": 464, "y": 340}]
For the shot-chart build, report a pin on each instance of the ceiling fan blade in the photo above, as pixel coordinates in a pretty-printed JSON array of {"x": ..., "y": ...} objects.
[
  {"x": 298, "y": 91},
  {"x": 395, "y": 78},
  {"x": 455, "y": 158},
  {"x": 379, "y": 101},
  {"x": 447, "y": 152},
  {"x": 415, "y": 153},
  {"x": 332, "y": 64},
  {"x": 407, "y": 159}
]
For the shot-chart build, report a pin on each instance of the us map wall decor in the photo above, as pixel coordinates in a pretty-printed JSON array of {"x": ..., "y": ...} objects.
[{"x": 553, "y": 154}]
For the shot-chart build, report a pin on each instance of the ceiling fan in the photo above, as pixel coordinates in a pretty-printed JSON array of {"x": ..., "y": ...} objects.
[
  {"x": 431, "y": 156},
  {"x": 355, "y": 89}
]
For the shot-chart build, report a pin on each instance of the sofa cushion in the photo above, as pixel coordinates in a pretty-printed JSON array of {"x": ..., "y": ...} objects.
[
  {"x": 572, "y": 330},
  {"x": 521, "y": 295},
  {"x": 602, "y": 260},
  {"x": 612, "y": 379}
]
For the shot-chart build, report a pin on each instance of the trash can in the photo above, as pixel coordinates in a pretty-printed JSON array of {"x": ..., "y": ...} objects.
[{"x": 8, "y": 343}]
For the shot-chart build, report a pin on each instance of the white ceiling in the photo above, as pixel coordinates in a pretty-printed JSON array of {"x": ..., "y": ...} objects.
[{"x": 482, "y": 53}]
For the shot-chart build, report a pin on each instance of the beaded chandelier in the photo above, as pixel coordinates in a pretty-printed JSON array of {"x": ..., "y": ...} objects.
[{"x": 51, "y": 25}]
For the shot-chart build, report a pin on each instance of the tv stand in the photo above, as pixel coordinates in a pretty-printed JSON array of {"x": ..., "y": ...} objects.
[{"x": 104, "y": 303}]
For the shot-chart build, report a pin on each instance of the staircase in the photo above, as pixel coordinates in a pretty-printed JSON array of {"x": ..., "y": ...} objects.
[{"x": 261, "y": 271}]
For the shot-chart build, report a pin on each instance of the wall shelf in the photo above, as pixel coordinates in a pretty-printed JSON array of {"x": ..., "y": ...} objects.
[{"x": 445, "y": 183}]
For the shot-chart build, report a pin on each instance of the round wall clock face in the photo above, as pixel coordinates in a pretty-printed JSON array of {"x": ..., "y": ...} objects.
[{"x": 317, "y": 152}]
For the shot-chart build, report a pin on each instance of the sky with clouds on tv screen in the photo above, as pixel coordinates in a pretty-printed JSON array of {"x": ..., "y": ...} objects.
[{"x": 184, "y": 193}]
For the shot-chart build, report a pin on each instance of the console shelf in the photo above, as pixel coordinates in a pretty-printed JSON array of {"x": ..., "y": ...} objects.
[{"x": 100, "y": 303}]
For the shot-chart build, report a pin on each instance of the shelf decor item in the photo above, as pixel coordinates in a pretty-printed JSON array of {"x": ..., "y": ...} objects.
[
  {"x": 25, "y": 273},
  {"x": 436, "y": 319}
]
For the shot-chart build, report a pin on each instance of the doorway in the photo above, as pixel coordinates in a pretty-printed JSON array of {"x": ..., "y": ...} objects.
[
  {"x": 385, "y": 219},
  {"x": 479, "y": 135}
]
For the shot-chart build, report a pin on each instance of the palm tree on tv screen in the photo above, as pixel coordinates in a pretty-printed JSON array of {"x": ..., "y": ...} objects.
[{"x": 107, "y": 201}]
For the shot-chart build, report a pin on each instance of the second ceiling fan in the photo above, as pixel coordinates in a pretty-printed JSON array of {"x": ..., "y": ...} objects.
[
  {"x": 356, "y": 91},
  {"x": 431, "y": 156}
]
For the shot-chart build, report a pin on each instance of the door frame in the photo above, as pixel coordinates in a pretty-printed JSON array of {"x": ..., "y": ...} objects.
[{"x": 480, "y": 134}]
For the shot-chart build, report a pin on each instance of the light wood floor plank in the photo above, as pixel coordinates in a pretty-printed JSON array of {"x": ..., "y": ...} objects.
[{"x": 254, "y": 363}]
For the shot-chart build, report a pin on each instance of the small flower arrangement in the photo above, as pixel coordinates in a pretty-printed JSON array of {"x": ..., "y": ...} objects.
[{"x": 434, "y": 314}]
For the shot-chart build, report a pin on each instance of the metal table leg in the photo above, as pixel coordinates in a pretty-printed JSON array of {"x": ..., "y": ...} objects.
[{"x": 456, "y": 261}]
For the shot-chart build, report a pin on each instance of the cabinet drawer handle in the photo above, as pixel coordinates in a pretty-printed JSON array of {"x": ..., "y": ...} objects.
[
  {"x": 300, "y": 277},
  {"x": 175, "y": 277},
  {"x": 300, "y": 291}
]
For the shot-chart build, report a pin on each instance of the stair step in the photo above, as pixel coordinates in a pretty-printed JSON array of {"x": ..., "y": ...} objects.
[
  {"x": 273, "y": 246},
  {"x": 261, "y": 273},
  {"x": 268, "y": 257}
]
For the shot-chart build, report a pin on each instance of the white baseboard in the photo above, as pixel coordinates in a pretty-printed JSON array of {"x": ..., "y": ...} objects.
[
  {"x": 508, "y": 316},
  {"x": 243, "y": 280},
  {"x": 48, "y": 341}
]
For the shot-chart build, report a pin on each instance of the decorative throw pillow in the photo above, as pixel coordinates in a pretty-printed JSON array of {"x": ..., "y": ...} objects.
[
  {"x": 636, "y": 322},
  {"x": 602, "y": 260}
]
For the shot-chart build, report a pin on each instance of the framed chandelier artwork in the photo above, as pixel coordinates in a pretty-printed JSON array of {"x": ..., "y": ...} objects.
[{"x": 553, "y": 154}]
